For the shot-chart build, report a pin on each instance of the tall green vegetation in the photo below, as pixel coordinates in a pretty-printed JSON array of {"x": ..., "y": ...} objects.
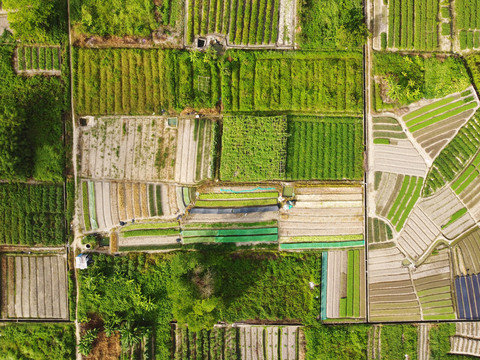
[
  {"x": 31, "y": 127},
  {"x": 37, "y": 341},
  {"x": 332, "y": 24}
]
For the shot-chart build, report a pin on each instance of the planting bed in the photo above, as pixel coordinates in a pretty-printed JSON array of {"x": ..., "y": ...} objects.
[
  {"x": 433, "y": 285},
  {"x": 454, "y": 157},
  {"x": 345, "y": 287},
  {"x": 35, "y": 286},
  {"x": 293, "y": 81},
  {"x": 148, "y": 236},
  {"x": 435, "y": 124},
  {"x": 392, "y": 296},
  {"x": 387, "y": 130},
  {"x": 398, "y": 156},
  {"x": 466, "y": 254},
  {"x": 413, "y": 24},
  {"x": 38, "y": 60},
  {"x": 467, "y": 187},
  {"x": 249, "y": 23},
  {"x": 324, "y": 148},
  {"x": 467, "y": 339},
  {"x": 467, "y": 18},
  {"x": 378, "y": 231},
  {"x": 332, "y": 215},
  {"x": 106, "y": 203}
]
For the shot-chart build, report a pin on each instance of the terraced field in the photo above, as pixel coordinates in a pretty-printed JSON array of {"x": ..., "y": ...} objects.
[
  {"x": 433, "y": 285},
  {"x": 345, "y": 285},
  {"x": 105, "y": 203},
  {"x": 435, "y": 124},
  {"x": 392, "y": 296},
  {"x": 35, "y": 287},
  {"x": 387, "y": 130},
  {"x": 323, "y": 217}
]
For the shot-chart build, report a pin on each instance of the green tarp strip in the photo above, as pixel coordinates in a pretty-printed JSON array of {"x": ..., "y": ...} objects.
[{"x": 323, "y": 296}]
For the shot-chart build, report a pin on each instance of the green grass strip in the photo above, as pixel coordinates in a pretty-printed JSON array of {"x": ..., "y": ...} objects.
[
  {"x": 467, "y": 182},
  {"x": 440, "y": 317},
  {"x": 444, "y": 310},
  {"x": 251, "y": 238},
  {"x": 433, "y": 291},
  {"x": 429, "y": 107},
  {"x": 434, "y": 113},
  {"x": 326, "y": 238},
  {"x": 356, "y": 284},
  {"x": 186, "y": 196},
  {"x": 394, "y": 216},
  {"x": 476, "y": 160},
  {"x": 381, "y": 141},
  {"x": 234, "y": 203},
  {"x": 150, "y": 247},
  {"x": 159, "y": 225},
  {"x": 447, "y": 115},
  {"x": 437, "y": 304},
  {"x": 342, "y": 244},
  {"x": 323, "y": 284},
  {"x": 226, "y": 196},
  {"x": 91, "y": 205},
  {"x": 229, "y": 225},
  {"x": 86, "y": 212},
  {"x": 350, "y": 283},
  {"x": 230, "y": 232},
  {"x": 455, "y": 216},
  {"x": 399, "y": 197},
  {"x": 465, "y": 93},
  {"x": 410, "y": 205},
  {"x": 462, "y": 178},
  {"x": 198, "y": 240},
  {"x": 436, "y": 297},
  {"x": 343, "y": 307},
  {"x": 150, "y": 232}
]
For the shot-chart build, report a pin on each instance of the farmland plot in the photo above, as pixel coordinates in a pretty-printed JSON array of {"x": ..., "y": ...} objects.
[
  {"x": 323, "y": 217},
  {"x": 378, "y": 231},
  {"x": 433, "y": 285},
  {"x": 392, "y": 296},
  {"x": 148, "y": 236},
  {"x": 36, "y": 287},
  {"x": 251, "y": 24},
  {"x": 106, "y": 203},
  {"x": 311, "y": 82},
  {"x": 434, "y": 125},
  {"x": 413, "y": 24},
  {"x": 45, "y": 60},
  {"x": 345, "y": 287},
  {"x": 467, "y": 187},
  {"x": 466, "y": 254},
  {"x": 386, "y": 130},
  {"x": 467, "y": 24},
  {"x": 466, "y": 340}
]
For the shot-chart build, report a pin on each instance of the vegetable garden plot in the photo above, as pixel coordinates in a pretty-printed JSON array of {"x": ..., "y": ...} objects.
[
  {"x": 36, "y": 287},
  {"x": 250, "y": 23},
  {"x": 378, "y": 231},
  {"x": 323, "y": 215},
  {"x": 467, "y": 23},
  {"x": 31, "y": 214},
  {"x": 386, "y": 130},
  {"x": 433, "y": 285},
  {"x": 311, "y": 82},
  {"x": 38, "y": 60},
  {"x": 105, "y": 203},
  {"x": 148, "y": 236},
  {"x": 413, "y": 24},
  {"x": 253, "y": 148},
  {"x": 454, "y": 157},
  {"x": 467, "y": 187},
  {"x": 324, "y": 148},
  {"x": 391, "y": 294},
  {"x": 139, "y": 81},
  {"x": 345, "y": 285},
  {"x": 434, "y": 125},
  {"x": 466, "y": 254}
]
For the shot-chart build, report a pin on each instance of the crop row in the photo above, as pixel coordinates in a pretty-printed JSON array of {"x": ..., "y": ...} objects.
[
  {"x": 31, "y": 214},
  {"x": 405, "y": 200},
  {"x": 378, "y": 231},
  {"x": 350, "y": 305},
  {"x": 136, "y": 81},
  {"x": 38, "y": 58},
  {"x": 307, "y": 82},
  {"x": 467, "y": 176},
  {"x": 469, "y": 39},
  {"x": 454, "y": 157},
  {"x": 245, "y": 22},
  {"x": 326, "y": 148},
  {"x": 467, "y": 14},
  {"x": 413, "y": 24},
  {"x": 233, "y": 203}
]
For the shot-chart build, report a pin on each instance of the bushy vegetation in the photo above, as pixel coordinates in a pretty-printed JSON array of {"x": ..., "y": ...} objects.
[
  {"x": 31, "y": 214},
  {"x": 37, "y": 21},
  {"x": 324, "y": 148},
  {"x": 440, "y": 342},
  {"x": 405, "y": 79},
  {"x": 37, "y": 341},
  {"x": 31, "y": 110},
  {"x": 332, "y": 24},
  {"x": 253, "y": 148},
  {"x": 399, "y": 339},
  {"x": 325, "y": 342},
  {"x": 198, "y": 288}
]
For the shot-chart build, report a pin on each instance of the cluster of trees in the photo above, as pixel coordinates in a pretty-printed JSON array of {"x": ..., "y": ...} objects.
[
  {"x": 332, "y": 24},
  {"x": 324, "y": 148}
]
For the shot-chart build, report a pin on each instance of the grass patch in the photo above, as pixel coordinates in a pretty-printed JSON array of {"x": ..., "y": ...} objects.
[{"x": 455, "y": 216}]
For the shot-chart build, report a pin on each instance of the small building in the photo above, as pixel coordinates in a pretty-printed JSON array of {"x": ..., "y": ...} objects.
[{"x": 82, "y": 261}]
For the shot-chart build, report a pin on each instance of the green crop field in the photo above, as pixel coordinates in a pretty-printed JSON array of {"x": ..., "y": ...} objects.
[
  {"x": 324, "y": 148},
  {"x": 406, "y": 198},
  {"x": 413, "y": 24},
  {"x": 31, "y": 214},
  {"x": 293, "y": 81},
  {"x": 467, "y": 21},
  {"x": 251, "y": 22}
]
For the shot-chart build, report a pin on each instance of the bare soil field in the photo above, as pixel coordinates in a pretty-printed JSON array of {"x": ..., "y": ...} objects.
[
  {"x": 36, "y": 287},
  {"x": 324, "y": 211},
  {"x": 466, "y": 254},
  {"x": 387, "y": 191},
  {"x": 465, "y": 345},
  {"x": 399, "y": 157}
]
